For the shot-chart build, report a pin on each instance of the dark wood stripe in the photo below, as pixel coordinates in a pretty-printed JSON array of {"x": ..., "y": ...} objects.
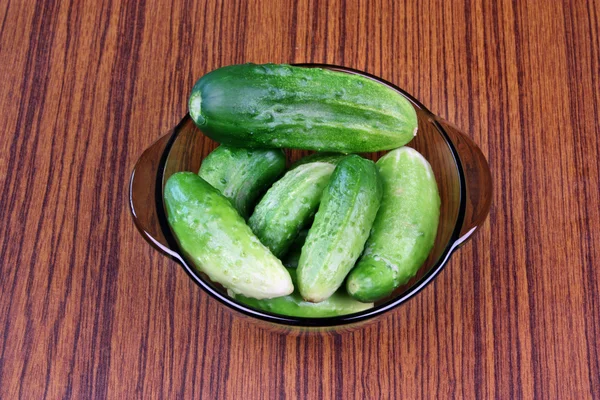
[
  {"x": 36, "y": 56},
  {"x": 315, "y": 29},
  {"x": 522, "y": 56},
  {"x": 341, "y": 56},
  {"x": 4, "y": 20},
  {"x": 577, "y": 110},
  {"x": 92, "y": 70},
  {"x": 125, "y": 66}
]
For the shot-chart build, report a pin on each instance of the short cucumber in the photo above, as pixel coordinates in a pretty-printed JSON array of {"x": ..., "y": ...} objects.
[
  {"x": 340, "y": 229},
  {"x": 283, "y": 106},
  {"x": 216, "y": 239},
  {"x": 242, "y": 175},
  {"x": 404, "y": 230},
  {"x": 288, "y": 205},
  {"x": 293, "y": 305}
]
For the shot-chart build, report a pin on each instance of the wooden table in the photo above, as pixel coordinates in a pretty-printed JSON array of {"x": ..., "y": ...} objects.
[{"x": 88, "y": 309}]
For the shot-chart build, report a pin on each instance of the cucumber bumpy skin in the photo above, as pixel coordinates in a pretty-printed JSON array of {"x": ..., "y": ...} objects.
[
  {"x": 281, "y": 106},
  {"x": 404, "y": 230},
  {"x": 293, "y": 305},
  {"x": 288, "y": 205},
  {"x": 216, "y": 239},
  {"x": 340, "y": 229},
  {"x": 242, "y": 175}
]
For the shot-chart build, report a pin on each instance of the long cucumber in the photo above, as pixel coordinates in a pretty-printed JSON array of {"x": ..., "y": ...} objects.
[
  {"x": 339, "y": 303},
  {"x": 340, "y": 229},
  {"x": 282, "y": 106},
  {"x": 215, "y": 238},
  {"x": 404, "y": 230}
]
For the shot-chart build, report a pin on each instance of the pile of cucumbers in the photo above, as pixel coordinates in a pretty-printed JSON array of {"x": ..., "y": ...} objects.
[{"x": 335, "y": 232}]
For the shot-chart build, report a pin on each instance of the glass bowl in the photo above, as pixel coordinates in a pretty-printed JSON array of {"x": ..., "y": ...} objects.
[{"x": 461, "y": 171}]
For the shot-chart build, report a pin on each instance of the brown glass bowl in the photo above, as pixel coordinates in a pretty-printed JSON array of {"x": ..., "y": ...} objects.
[{"x": 461, "y": 171}]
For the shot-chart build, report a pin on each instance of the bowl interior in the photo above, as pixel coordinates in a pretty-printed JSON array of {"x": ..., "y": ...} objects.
[{"x": 189, "y": 147}]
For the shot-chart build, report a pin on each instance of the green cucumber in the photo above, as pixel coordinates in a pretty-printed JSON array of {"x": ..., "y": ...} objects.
[
  {"x": 242, "y": 175},
  {"x": 289, "y": 204},
  {"x": 293, "y": 305},
  {"x": 215, "y": 238},
  {"x": 292, "y": 257},
  {"x": 404, "y": 230},
  {"x": 282, "y": 106},
  {"x": 340, "y": 229},
  {"x": 332, "y": 158}
]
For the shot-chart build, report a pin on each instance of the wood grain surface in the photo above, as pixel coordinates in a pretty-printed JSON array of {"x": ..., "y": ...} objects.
[{"x": 89, "y": 310}]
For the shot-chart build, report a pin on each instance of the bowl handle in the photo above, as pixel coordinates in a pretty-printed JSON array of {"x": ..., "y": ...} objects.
[
  {"x": 478, "y": 181},
  {"x": 145, "y": 195}
]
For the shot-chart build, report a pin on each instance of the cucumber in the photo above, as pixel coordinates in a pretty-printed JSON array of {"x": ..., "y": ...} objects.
[
  {"x": 294, "y": 306},
  {"x": 215, "y": 238},
  {"x": 332, "y": 158},
  {"x": 293, "y": 255},
  {"x": 288, "y": 205},
  {"x": 282, "y": 106},
  {"x": 404, "y": 230},
  {"x": 340, "y": 229},
  {"x": 242, "y": 175}
]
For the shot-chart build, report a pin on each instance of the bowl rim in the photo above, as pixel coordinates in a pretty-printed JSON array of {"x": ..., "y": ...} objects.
[{"x": 265, "y": 316}]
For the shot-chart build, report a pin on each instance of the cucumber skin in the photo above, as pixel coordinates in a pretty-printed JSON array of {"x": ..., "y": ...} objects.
[
  {"x": 281, "y": 106},
  {"x": 405, "y": 228},
  {"x": 217, "y": 240},
  {"x": 293, "y": 305},
  {"x": 340, "y": 229},
  {"x": 242, "y": 175},
  {"x": 288, "y": 205}
]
